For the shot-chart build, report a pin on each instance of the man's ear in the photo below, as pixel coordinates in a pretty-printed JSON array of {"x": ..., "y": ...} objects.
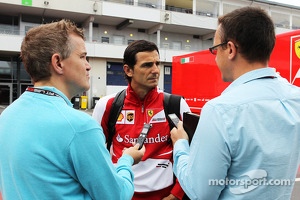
[
  {"x": 128, "y": 71},
  {"x": 232, "y": 50},
  {"x": 56, "y": 63}
]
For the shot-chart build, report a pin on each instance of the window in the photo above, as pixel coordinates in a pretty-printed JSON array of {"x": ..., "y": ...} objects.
[
  {"x": 105, "y": 40},
  {"x": 118, "y": 39},
  {"x": 27, "y": 28},
  {"x": 187, "y": 47},
  {"x": 176, "y": 45},
  {"x": 281, "y": 20},
  {"x": 165, "y": 45},
  {"x": 130, "y": 41},
  {"x": 296, "y": 22},
  {"x": 115, "y": 74}
]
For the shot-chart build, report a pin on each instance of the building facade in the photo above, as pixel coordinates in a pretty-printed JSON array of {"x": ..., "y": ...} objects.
[{"x": 177, "y": 27}]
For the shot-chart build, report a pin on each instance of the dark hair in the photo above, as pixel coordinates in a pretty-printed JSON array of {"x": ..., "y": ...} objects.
[
  {"x": 252, "y": 31},
  {"x": 135, "y": 47},
  {"x": 41, "y": 42}
]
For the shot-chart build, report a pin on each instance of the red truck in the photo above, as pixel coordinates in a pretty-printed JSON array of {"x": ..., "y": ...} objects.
[{"x": 197, "y": 77}]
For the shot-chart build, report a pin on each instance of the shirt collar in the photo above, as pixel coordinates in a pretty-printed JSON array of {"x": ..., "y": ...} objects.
[{"x": 266, "y": 72}]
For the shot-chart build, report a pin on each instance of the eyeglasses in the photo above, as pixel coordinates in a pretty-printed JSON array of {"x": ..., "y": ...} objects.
[{"x": 213, "y": 50}]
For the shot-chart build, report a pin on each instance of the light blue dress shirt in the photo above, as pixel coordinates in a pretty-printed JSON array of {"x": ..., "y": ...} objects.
[{"x": 247, "y": 143}]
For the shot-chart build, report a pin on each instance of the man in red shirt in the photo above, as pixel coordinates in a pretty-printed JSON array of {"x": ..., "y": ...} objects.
[{"x": 143, "y": 103}]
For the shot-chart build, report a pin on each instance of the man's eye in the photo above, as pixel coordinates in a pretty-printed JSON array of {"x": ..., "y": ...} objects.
[{"x": 148, "y": 64}]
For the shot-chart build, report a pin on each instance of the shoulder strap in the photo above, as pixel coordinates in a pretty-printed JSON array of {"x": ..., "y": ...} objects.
[
  {"x": 172, "y": 105},
  {"x": 115, "y": 111}
]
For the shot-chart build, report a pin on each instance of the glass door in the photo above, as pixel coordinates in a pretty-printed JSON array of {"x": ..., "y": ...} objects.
[{"x": 5, "y": 94}]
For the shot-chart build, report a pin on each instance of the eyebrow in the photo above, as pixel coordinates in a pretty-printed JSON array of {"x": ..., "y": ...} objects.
[
  {"x": 82, "y": 53},
  {"x": 150, "y": 63}
]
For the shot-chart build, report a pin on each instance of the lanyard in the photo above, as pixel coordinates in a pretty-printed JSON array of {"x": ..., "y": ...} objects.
[
  {"x": 264, "y": 77},
  {"x": 42, "y": 91}
]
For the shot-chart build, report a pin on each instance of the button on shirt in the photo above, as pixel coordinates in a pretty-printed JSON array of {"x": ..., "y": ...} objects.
[{"x": 247, "y": 142}]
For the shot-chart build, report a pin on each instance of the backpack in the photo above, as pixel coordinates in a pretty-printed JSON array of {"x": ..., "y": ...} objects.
[{"x": 171, "y": 105}]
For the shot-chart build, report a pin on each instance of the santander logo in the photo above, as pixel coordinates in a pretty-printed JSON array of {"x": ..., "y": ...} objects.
[{"x": 149, "y": 140}]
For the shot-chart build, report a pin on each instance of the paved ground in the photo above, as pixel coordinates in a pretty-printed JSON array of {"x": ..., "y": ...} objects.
[
  {"x": 296, "y": 191},
  {"x": 1, "y": 109}
]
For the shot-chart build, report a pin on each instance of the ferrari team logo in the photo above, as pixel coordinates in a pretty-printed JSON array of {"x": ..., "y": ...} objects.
[
  {"x": 150, "y": 113},
  {"x": 297, "y": 48},
  {"x": 297, "y": 57}
]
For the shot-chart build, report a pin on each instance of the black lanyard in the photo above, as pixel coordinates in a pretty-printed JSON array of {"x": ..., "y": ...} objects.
[
  {"x": 264, "y": 77},
  {"x": 42, "y": 91}
]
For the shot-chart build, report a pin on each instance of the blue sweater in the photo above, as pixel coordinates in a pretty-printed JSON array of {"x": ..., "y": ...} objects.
[{"x": 49, "y": 150}]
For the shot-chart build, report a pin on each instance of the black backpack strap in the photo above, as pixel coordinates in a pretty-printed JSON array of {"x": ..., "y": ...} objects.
[
  {"x": 172, "y": 105},
  {"x": 115, "y": 111}
]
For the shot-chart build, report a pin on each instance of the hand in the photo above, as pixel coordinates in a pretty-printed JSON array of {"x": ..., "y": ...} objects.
[
  {"x": 170, "y": 197},
  {"x": 178, "y": 133},
  {"x": 135, "y": 153}
]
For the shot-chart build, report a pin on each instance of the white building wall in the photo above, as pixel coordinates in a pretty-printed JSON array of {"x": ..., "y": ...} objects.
[{"x": 97, "y": 77}]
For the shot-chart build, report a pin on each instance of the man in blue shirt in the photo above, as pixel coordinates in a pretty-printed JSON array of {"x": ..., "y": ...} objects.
[
  {"x": 247, "y": 143},
  {"x": 48, "y": 149}
]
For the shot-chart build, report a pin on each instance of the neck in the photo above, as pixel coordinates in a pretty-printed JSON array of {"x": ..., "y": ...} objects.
[
  {"x": 247, "y": 67},
  {"x": 140, "y": 91},
  {"x": 56, "y": 85}
]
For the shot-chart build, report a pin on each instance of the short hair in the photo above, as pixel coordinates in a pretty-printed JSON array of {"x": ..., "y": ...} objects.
[
  {"x": 252, "y": 30},
  {"x": 41, "y": 42},
  {"x": 135, "y": 47}
]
